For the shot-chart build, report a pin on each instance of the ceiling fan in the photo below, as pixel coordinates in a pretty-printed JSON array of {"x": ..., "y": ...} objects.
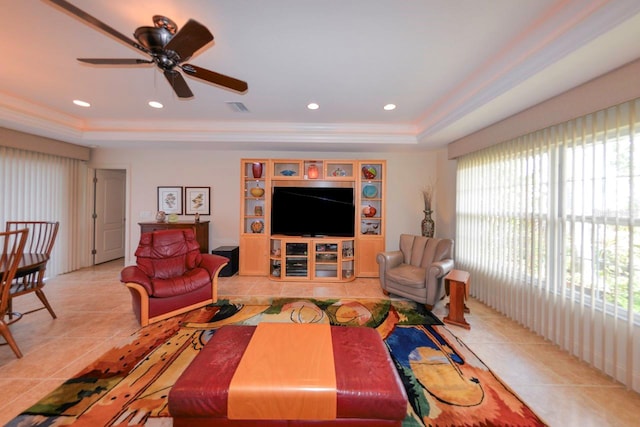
[{"x": 167, "y": 47}]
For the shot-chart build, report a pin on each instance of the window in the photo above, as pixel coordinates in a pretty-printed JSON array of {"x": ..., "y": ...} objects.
[
  {"x": 549, "y": 226},
  {"x": 37, "y": 186}
]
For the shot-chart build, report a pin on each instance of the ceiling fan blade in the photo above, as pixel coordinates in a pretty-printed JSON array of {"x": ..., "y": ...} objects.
[
  {"x": 215, "y": 78},
  {"x": 98, "y": 24},
  {"x": 178, "y": 84},
  {"x": 191, "y": 37},
  {"x": 114, "y": 61}
]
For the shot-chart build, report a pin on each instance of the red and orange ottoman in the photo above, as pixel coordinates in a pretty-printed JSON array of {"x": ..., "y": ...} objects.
[{"x": 282, "y": 374}]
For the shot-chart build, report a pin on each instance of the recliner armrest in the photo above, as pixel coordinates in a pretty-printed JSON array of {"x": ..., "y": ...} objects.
[
  {"x": 213, "y": 263},
  {"x": 134, "y": 274}
]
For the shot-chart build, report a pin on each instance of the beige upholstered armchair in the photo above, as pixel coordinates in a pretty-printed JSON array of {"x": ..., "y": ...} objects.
[{"x": 416, "y": 271}]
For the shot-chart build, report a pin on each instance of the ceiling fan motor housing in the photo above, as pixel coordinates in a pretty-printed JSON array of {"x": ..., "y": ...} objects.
[{"x": 155, "y": 39}]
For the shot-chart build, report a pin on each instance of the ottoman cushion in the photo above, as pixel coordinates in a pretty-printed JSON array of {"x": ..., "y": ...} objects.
[{"x": 368, "y": 386}]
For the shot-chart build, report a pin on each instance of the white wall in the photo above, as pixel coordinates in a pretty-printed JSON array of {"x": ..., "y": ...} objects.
[
  {"x": 407, "y": 173},
  {"x": 445, "y": 196}
]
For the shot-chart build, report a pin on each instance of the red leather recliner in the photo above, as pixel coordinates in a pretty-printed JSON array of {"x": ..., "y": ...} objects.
[{"x": 171, "y": 275}]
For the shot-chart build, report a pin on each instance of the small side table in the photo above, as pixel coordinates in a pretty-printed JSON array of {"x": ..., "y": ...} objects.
[{"x": 458, "y": 282}]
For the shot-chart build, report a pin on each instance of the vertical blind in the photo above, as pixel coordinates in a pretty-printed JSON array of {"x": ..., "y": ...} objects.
[
  {"x": 548, "y": 225},
  {"x": 43, "y": 187}
]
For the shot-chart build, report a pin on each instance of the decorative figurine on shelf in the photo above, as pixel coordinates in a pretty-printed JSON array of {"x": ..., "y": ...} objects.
[
  {"x": 197, "y": 218},
  {"x": 161, "y": 216},
  {"x": 173, "y": 218}
]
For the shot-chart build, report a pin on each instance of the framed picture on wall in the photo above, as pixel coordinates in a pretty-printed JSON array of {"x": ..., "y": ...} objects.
[
  {"x": 170, "y": 200},
  {"x": 197, "y": 200}
]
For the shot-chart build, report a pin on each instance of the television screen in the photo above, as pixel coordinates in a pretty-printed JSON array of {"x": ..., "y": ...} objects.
[{"x": 313, "y": 211}]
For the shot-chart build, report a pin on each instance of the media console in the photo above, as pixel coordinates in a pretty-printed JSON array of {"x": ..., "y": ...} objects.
[
  {"x": 298, "y": 257},
  {"x": 324, "y": 258}
]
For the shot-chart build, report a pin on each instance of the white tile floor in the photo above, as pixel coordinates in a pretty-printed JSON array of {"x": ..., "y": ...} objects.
[{"x": 94, "y": 312}]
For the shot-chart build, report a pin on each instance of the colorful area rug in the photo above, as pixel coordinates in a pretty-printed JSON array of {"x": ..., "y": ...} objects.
[{"x": 446, "y": 383}]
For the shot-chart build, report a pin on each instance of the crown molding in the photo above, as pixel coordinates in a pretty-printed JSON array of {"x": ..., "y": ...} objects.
[
  {"x": 27, "y": 117},
  {"x": 255, "y": 133},
  {"x": 566, "y": 27}
]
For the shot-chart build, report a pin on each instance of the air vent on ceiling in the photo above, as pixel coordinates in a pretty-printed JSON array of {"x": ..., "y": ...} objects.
[{"x": 238, "y": 107}]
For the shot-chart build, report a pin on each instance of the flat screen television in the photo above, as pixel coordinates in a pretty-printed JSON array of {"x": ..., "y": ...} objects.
[{"x": 313, "y": 211}]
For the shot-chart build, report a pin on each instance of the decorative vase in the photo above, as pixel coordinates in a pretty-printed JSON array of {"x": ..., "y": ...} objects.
[
  {"x": 369, "y": 211},
  {"x": 369, "y": 172},
  {"x": 312, "y": 171},
  {"x": 257, "y": 226},
  {"x": 257, "y": 191},
  {"x": 256, "y": 169},
  {"x": 428, "y": 226}
]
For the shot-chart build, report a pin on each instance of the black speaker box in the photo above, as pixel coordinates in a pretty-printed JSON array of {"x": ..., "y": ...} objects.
[{"x": 231, "y": 252}]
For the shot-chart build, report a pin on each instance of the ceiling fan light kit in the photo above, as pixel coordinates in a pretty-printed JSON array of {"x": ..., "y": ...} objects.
[{"x": 168, "y": 48}]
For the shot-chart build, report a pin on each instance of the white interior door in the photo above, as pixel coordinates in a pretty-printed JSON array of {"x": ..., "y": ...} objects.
[{"x": 109, "y": 218}]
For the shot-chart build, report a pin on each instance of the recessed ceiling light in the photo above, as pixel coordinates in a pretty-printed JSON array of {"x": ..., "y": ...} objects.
[
  {"x": 81, "y": 103},
  {"x": 155, "y": 104},
  {"x": 390, "y": 107},
  {"x": 313, "y": 106}
]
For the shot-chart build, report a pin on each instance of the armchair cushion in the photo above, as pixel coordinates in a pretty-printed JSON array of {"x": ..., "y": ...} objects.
[
  {"x": 408, "y": 275},
  {"x": 187, "y": 282}
]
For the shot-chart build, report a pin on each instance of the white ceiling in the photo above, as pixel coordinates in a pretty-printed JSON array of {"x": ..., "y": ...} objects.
[{"x": 451, "y": 66}]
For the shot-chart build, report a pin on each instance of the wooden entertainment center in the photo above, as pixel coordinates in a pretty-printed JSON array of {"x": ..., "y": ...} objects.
[{"x": 319, "y": 258}]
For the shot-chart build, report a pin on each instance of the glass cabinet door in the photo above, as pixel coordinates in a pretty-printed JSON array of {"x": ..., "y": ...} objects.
[
  {"x": 326, "y": 260},
  {"x": 287, "y": 169},
  {"x": 254, "y": 205},
  {"x": 371, "y": 198},
  {"x": 347, "y": 263},
  {"x": 296, "y": 259},
  {"x": 339, "y": 170}
]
